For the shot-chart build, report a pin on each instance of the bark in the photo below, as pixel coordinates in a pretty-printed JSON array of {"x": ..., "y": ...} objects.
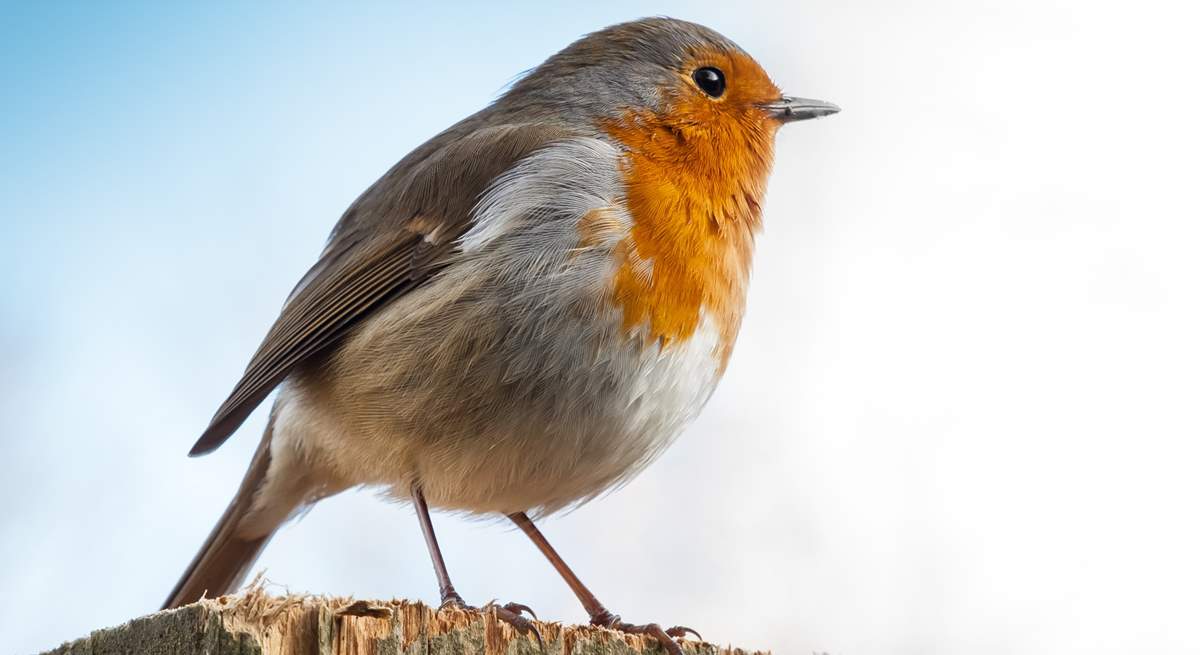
[{"x": 258, "y": 624}]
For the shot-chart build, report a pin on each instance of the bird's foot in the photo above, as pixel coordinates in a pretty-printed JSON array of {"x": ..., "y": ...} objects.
[
  {"x": 666, "y": 638},
  {"x": 510, "y": 613}
]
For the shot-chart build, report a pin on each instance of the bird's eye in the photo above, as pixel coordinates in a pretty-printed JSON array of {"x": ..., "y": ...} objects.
[{"x": 710, "y": 80}]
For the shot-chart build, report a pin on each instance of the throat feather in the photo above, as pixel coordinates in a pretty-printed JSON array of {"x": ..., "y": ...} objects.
[{"x": 695, "y": 200}]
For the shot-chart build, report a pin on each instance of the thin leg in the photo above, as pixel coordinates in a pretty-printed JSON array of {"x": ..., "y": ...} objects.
[
  {"x": 510, "y": 613},
  {"x": 449, "y": 595},
  {"x": 596, "y": 611}
]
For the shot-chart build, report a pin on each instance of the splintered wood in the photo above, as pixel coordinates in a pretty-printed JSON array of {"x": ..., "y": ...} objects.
[{"x": 256, "y": 623}]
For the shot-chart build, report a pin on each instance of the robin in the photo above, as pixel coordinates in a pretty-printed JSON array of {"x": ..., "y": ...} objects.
[{"x": 525, "y": 310}]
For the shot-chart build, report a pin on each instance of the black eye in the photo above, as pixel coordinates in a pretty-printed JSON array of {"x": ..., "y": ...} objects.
[{"x": 710, "y": 80}]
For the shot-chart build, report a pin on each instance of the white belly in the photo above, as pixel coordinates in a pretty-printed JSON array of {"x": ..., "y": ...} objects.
[{"x": 492, "y": 433}]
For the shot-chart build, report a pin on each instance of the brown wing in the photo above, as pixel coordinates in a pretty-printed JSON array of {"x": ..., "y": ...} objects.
[{"x": 390, "y": 241}]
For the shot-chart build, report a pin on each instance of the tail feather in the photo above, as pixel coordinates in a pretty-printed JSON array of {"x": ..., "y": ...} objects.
[{"x": 225, "y": 558}]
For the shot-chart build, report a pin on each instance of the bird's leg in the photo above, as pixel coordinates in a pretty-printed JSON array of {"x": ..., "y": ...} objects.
[
  {"x": 510, "y": 613},
  {"x": 449, "y": 595},
  {"x": 596, "y": 611}
]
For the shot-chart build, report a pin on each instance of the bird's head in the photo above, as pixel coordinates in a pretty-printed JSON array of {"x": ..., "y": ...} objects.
[{"x": 671, "y": 74}]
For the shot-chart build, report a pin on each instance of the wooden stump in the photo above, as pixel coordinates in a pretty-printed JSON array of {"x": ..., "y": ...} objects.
[{"x": 256, "y": 623}]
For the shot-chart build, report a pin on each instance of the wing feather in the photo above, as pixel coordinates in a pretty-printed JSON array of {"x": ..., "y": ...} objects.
[{"x": 396, "y": 236}]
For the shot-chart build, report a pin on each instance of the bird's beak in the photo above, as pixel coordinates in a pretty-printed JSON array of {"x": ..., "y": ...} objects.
[{"x": 788, "y": 109}]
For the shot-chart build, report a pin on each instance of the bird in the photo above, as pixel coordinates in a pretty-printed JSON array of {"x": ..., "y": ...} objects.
[{"x": 525, "y": 310}]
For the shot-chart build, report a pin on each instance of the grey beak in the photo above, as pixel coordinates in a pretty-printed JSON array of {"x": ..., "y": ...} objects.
[{"x": 788, "y": 109}]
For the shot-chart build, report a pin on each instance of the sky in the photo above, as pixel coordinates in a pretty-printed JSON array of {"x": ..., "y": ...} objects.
[{"x": 961, "y": 416}]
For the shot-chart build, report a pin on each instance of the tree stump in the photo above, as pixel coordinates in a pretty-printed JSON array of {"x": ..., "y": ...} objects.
[{"x": 258, "y": 624}]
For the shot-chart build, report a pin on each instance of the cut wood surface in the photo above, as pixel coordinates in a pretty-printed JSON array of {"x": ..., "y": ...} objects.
[{"x": 257, "y": 623}]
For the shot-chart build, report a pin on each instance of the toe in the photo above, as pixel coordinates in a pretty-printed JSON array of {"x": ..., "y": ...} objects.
[
  {"x": 512, "y": 616},
  {"x": 652, "y": 630},
  {"x": 518, "y": 608},
  {"x": 681, "y": 631}
]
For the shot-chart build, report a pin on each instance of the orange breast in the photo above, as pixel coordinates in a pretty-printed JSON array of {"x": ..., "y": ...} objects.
[{"x": 694, "y": 180}]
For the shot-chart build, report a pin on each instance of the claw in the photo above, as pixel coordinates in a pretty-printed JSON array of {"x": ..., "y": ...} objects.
[
  {"x": 510, "y": 613},
  {"x": 519, "y": 608},
  {"x": 681, "y": 631},
  {"x": 652, "y": 630},
  {"x": 538, "y": 636}
]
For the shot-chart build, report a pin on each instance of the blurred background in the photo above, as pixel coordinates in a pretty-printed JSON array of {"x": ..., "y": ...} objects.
[{"x": 962, "y": 416}]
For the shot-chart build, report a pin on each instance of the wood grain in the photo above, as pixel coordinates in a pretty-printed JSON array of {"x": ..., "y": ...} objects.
[{"x": 256, "y": 623}]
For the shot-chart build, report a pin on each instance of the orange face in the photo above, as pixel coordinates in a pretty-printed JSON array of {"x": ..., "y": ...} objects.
[{"x": 695, "y": 175}]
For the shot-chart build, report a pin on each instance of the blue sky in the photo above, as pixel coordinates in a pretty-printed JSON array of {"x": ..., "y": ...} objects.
[{"x": 960, "y": 417}]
